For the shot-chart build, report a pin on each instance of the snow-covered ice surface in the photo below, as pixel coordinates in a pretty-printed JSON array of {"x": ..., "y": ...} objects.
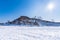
[{"x": 29, "y": 33}]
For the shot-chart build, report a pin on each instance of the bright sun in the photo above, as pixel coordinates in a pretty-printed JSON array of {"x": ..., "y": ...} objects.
[{"x": 50, "y": 6}]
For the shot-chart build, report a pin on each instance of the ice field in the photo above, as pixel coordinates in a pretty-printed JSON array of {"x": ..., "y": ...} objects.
[{"x": 29, "y": 33}]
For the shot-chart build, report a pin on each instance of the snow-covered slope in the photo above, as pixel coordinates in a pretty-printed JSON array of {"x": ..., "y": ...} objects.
[{"x": 29, "y": 33}]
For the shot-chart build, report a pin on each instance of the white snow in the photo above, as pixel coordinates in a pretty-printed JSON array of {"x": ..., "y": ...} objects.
[{"x": 29, "y": 33}]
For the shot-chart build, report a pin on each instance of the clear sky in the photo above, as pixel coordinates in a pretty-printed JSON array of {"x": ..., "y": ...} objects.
[{"x": 12, "y": 9}]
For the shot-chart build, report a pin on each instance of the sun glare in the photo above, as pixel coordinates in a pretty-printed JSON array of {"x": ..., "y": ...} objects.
[{"x": 50, "y": 6}]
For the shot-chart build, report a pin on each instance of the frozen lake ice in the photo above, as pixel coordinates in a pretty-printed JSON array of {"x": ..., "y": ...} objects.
[{"x": 29, "y": 33}]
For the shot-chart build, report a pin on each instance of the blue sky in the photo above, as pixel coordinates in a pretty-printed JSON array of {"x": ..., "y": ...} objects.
[{"x": 12, "y": 9}]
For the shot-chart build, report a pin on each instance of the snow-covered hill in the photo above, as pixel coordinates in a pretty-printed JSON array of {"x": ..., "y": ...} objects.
[
  {"x": 24, "y": 20},
  {"x": 29, "y": 33}
]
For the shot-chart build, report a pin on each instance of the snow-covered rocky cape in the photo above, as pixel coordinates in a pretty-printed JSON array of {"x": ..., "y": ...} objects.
[{"x": 29, "y": 33}]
